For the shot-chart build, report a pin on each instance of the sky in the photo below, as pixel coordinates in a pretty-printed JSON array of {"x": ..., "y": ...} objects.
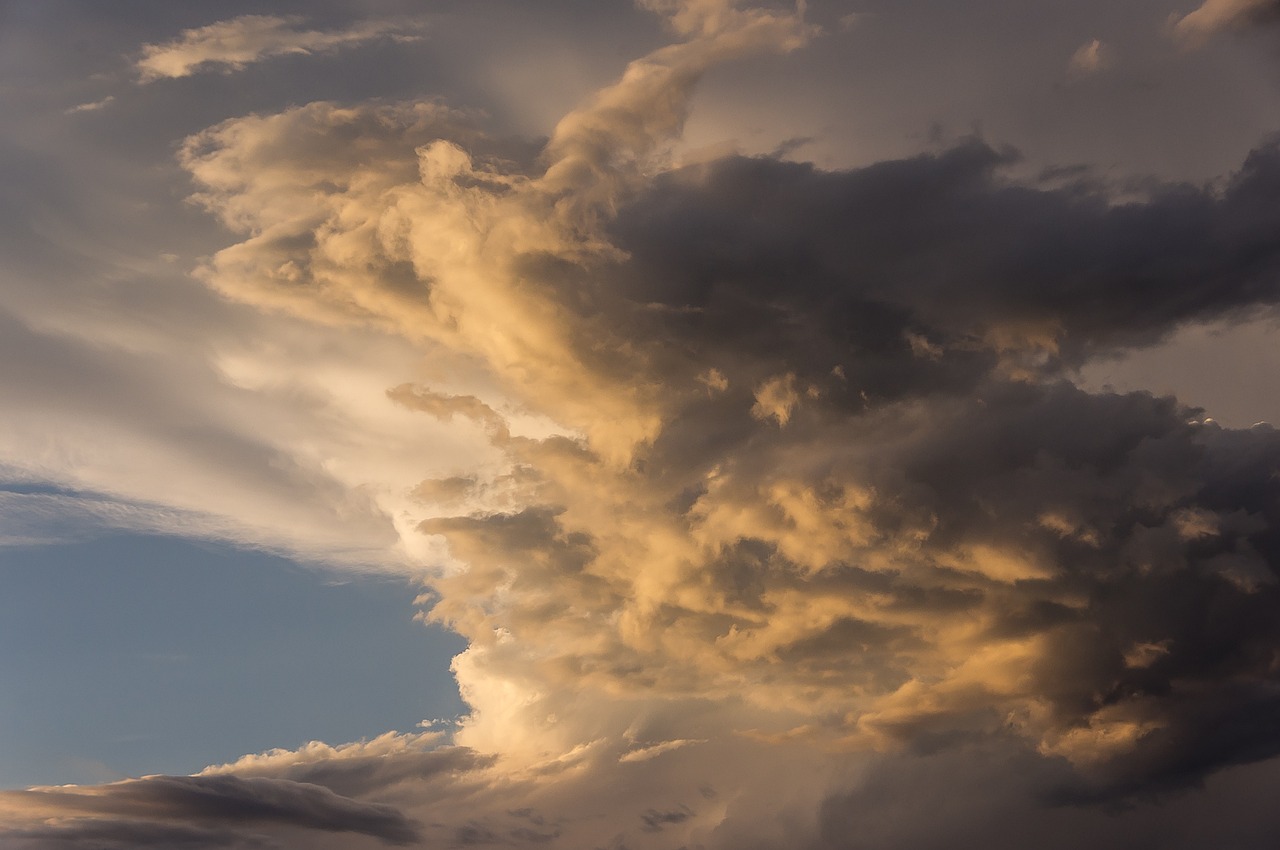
[{"x": 671, "y": 424}]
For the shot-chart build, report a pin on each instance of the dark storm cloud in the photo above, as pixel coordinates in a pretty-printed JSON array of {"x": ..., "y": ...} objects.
[
  {"x": 998, "y": 797},
  {"x": 124, "y": 835},
  {"x": 821, "y": 267},
  {"x": 1153, "y": 585},
  {"x": 220, "y": 799}
]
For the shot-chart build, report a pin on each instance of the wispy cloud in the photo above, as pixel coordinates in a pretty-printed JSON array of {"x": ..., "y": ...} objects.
[
  {"x": 651, "y": 751},
  {"x": 236, "y": 43},
  {"x": 93, "y": 106}
]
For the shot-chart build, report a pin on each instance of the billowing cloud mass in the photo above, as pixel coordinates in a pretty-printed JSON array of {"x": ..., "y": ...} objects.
[
  {"x": 821, "y": 515},
  {"x": 234, "y": 44}
]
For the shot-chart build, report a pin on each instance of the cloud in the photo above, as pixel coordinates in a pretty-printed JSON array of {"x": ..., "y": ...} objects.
[
  {"x": 776, "y": 398},
  {"x": 432, "y": 201},
  {"x": 945, "y": 542},
  {"x": 48, "y": 517},
  {"x": 93, "y": 106},
  {"x": 996, "y": 798},
  {"x": 721, "y": 795},
  {"x": 122, "y": 835},
  {"x": 1091, "y": 57},
  {"x": 239, "y": 42},
  {"x": 817, "y": 494},
  {"x": 280, "y": 438},
  {"x": 360, "y": 769},
  {"x": 583, "y": 798},
  {"x": 1214, "y": 16},
  {"x": 942, "y": 247},
  {"x": 214, "y": 799},
  {"x": 644, "y": 753}
]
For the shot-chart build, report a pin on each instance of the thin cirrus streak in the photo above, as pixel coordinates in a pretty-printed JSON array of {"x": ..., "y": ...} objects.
[{"x": 822, "y": 505}]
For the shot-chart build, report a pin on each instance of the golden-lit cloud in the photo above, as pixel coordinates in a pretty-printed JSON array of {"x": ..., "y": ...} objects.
[
  {"x": 837, "y": 483},
  {"x": 743, "y": 479}
]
